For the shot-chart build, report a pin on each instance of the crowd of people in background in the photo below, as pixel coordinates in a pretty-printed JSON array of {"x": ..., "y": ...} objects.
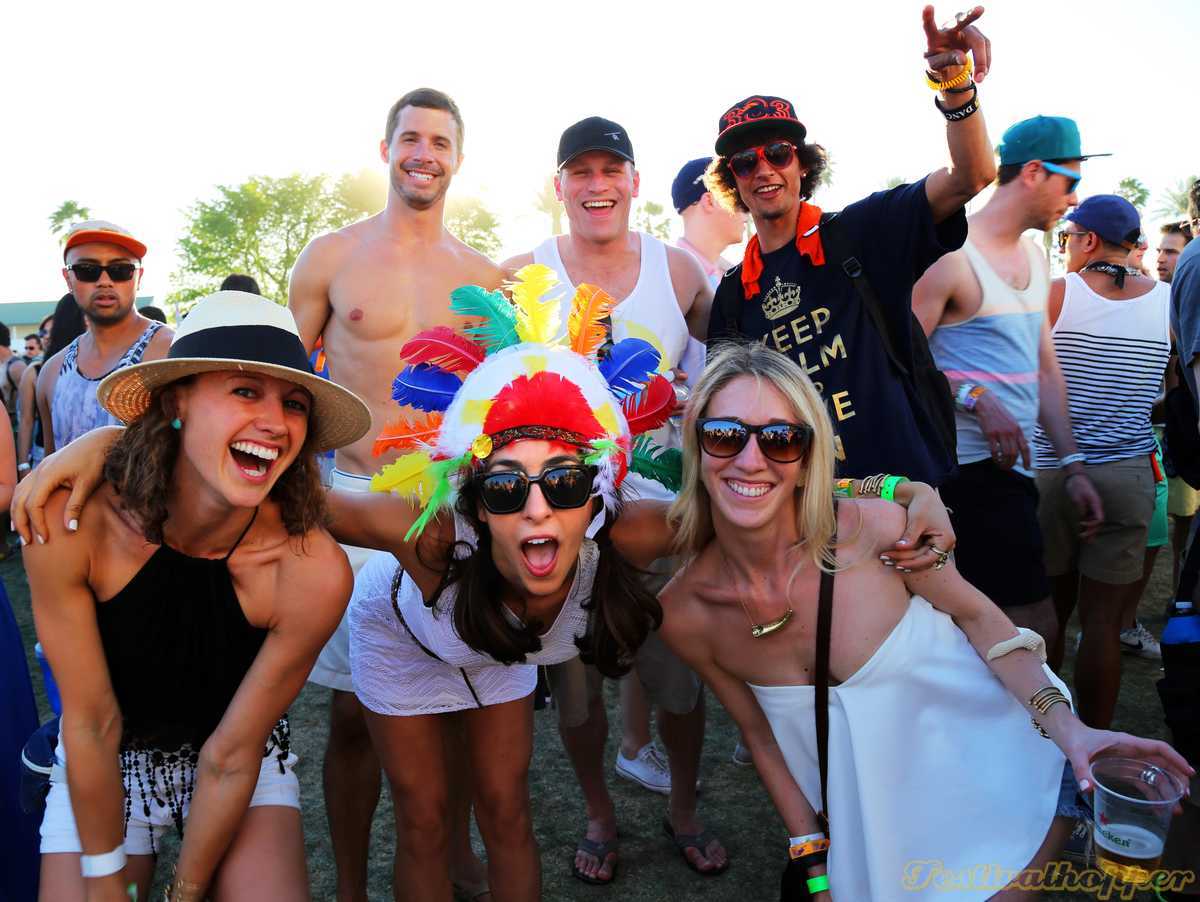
[{"x": 615, "y": 458}]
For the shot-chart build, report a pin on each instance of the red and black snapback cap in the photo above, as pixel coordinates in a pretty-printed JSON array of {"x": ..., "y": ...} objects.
[{"x": 758, "y": 114}]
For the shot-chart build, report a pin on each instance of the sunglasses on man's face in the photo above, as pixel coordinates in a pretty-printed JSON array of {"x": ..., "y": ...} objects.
[
  {"x": 90, "y": 272},
  {"x": 506, "y": 491},
  {"x": 778, "y": 154},
  {"x": 783, "y": 443},
  {"x": 1073, "y": 178},
  {"x": 1064, "y": 236}
]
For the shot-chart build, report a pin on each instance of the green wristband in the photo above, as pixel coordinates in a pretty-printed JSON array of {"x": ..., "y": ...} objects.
[
  {"x": 888, "y": 491},
  {"x": 818, "y": 884}
]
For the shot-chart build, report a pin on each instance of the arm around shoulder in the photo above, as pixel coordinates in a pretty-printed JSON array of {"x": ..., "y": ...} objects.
[{"x": 308, "y": 288}]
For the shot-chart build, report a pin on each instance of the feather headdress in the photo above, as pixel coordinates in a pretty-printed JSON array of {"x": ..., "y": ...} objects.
[{"x": 515, "y": 375}]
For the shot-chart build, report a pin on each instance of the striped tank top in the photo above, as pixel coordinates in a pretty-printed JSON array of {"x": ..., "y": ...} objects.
[
  {"x": 74, "y": 409},
  {"x": 1113, "y": 354},
  {"x": 997, "y": 348}
]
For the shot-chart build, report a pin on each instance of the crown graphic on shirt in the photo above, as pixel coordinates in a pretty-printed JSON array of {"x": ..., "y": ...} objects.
[{"x": 781, "y": 300}]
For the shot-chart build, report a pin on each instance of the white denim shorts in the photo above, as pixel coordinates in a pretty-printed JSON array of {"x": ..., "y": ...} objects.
[{"x": 276, "y": 786}]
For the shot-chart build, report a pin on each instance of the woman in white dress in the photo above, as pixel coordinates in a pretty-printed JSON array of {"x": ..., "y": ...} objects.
[{"x": 933, "y": 765}]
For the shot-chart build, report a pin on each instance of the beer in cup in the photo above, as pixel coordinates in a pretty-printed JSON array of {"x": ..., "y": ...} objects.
[{"x": 1132, "y": 804}]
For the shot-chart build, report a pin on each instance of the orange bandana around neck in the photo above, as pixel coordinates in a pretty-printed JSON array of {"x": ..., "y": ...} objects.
[{"x": 807, "y": 244}]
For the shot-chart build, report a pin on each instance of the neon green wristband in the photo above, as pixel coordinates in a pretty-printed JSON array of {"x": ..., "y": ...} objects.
[
  {"x": 888, "y": 492},
  {"x": 818, "y": 884}
]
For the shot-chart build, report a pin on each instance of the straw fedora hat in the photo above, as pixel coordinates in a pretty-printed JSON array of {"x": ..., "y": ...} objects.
[{"x": 235, "y": 330}]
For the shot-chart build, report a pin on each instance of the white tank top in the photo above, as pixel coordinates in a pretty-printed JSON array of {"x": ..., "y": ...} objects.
[
  {"x": 997, "y": 348},
  {"x": 650, "y": 312},
  {"x": 1112, "y": 354}
]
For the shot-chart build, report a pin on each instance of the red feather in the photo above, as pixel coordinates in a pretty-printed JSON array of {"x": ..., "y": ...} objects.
[
  {"x": 649, "y": 408},
  {"x": 445, "y": 348},
  {"x": 408, "y": 435}
]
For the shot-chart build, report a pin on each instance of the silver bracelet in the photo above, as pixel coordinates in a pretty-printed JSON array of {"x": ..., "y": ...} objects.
[{"x": 1077, "y": 458}]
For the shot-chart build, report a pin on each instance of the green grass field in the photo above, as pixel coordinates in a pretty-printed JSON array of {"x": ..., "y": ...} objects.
[{"x": 733, "y": 801}]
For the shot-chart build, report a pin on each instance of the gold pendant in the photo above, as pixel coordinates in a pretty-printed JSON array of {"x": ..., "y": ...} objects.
[{"x": 758, "y": 630}]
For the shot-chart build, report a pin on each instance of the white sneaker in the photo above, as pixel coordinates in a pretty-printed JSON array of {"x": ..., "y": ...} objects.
[
  {"x": 1140, "y": 642},
  {"x": 649, "y": 769}
]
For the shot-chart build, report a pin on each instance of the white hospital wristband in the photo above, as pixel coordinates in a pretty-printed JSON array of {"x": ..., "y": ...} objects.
[{"x": 103, "y": 865}]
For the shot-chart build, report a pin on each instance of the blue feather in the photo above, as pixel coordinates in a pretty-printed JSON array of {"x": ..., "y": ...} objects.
[
  {"x": 425, "y": 387},
  {"x": 629, "y": 365}
]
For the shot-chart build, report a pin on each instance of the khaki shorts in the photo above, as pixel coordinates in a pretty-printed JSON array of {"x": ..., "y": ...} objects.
[
  {"x": 669, "y": 683},
  {"x": 1182, "y": 499},
  {"x": 1117, "y": 552}
]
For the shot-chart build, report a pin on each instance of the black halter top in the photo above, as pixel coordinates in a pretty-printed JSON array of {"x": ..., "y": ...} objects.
[{"x": 178, "y": 646}]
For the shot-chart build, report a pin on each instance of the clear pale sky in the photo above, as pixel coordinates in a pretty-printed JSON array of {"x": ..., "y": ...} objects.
[{"x": 137, "y": 110}]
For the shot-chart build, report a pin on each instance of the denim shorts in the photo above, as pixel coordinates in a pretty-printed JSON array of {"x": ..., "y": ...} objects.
[{"x": 1071, "y": 802}]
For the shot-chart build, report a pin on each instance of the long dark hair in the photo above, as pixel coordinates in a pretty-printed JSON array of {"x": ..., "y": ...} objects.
[
  {"x": 622, "y": 611},
  {"x": 140, "y": 464},
  {"x": 67, "y": 325}
]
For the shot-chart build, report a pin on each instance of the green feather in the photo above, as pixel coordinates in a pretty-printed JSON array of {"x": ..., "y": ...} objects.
[
  {"x": 601, "y": 448},
  {"x": 443, "y": 492},
  {"x": 499, "y": 327},
  {"x": 664, "y": 465}
]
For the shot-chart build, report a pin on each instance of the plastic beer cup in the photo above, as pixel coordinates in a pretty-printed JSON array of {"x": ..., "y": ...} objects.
[{"x": 1132, "y": 805}]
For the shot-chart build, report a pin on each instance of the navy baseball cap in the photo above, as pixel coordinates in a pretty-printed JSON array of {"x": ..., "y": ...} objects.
[
  {"x": 689, "y": 186},
  {"x": 1111, "y": 217},
  {"x": 760, "y": 114},
  {"x": 1042, "y": 138},
  {"x": 594, "y": 133}
]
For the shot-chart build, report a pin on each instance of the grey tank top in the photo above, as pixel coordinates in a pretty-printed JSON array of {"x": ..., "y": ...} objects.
[{"x": 74, "y": 409}]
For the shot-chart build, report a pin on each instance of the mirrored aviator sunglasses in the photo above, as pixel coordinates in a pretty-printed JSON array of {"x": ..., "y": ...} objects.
[
  {"x": 778, "y": 155},
  {"x": 565, "y": 488},
  {"x": 783, "y": 443},
  {"x": 90, "y": 272}
]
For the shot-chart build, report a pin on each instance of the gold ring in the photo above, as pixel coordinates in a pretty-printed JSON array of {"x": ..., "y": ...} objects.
[
  {"x": 937, "y": 550},
  {"x": 940, "y": 564}
]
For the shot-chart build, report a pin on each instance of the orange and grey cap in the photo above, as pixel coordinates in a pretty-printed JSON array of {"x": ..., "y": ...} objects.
[{"x": 97, "y": 230}]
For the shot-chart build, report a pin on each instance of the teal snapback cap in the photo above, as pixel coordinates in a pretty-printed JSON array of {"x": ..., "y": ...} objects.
[{"x": 1042, "y": 138}]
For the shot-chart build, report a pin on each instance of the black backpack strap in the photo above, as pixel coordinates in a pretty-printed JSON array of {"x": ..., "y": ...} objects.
[
  {"x": 836, "y": 247},
  {"x": 821, "y": 699},
  {"x": 731, "y": 308}
]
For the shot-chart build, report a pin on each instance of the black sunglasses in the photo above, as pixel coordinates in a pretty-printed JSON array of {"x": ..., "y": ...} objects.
[
  {"x": 778, "y": 154},
  {"x": 90, "y": 272},
  {"x": 506, "y": 491},
  {"x": 783, "y": 443},
  {"x": 1063, "y": 237}
]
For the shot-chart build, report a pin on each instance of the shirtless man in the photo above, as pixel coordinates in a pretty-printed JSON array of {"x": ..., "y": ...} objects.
[
  {"x": 662, "y": 296},
  {"x": 366, "y": 289}
]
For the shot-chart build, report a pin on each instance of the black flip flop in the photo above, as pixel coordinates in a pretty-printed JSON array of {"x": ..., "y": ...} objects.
[
  {"x": 697, "y": 841},
  {"x": 601, "y": 850}
]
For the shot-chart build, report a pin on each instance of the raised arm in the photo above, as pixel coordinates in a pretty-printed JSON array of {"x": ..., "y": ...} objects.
[
  {"x": 312, "y": 592},
  {"x": 64, "y": 611},
  {"x": 972, "y": 162}
]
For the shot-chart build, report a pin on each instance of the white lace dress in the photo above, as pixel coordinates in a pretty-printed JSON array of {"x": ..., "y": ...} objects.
[{"x": 420, "y": 665}]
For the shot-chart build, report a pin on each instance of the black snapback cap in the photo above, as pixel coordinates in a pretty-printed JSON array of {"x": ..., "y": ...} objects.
[{"x": 594, "y": 133}]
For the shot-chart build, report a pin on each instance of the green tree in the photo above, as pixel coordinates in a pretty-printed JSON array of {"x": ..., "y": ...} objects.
[
  {"x": 259, "y": 228},
  {"x": 1134, "y": 191},
  {"x": 827, "y": 176},
  {"x": 547, "y": 202},
  {"x": 895, "y": 182},
  {"x": 1173, "y": 203},
  {"x": 651, "y": 218},
  {"x": 470, "y": 221},
  {"x": 68, "y": 212},
  {"x": 362, "y": 193}
]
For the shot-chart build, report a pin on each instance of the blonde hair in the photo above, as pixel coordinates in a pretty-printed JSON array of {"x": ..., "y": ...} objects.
[{"x": 691, "y": 514}]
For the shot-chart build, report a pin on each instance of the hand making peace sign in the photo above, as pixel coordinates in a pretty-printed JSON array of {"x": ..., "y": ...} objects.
[{"x": 948, "y": 45}]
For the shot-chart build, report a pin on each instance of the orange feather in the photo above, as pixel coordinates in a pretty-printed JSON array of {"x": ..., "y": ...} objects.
[
  {"x": 585, "y": 326},
  {"x": 408, "y": 435}
]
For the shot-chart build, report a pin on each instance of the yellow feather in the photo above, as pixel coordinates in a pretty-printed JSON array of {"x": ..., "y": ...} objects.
[
  {"x": 537, "y": 319},
  {"x": 585, "y": 326},
  {"x": 408, "y": 475},
  {"x": 606, "y": 416},
  {"x": 475, "y": 411},
  {"x": 534, "y": 364}
]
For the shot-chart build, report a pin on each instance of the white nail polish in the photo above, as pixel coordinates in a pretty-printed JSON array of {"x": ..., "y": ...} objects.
[
  {"x": 23, "y": 542},
  {"x": 41, "y": 541},
  {"x": 73, "y": 525}
]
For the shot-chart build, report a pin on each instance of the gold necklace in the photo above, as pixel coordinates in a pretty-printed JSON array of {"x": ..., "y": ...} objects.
[{"x": 758, "y": 630}]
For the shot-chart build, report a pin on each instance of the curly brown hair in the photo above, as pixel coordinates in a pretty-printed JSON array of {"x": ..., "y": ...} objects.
[
  {"x": 719, "y": 179},
  {"x": 141, "y": 463}
]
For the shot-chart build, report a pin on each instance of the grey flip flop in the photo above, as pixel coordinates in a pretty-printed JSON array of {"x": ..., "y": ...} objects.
[
  {"x": 601, "y": 850},
  {"x": 697, "y": 841}
]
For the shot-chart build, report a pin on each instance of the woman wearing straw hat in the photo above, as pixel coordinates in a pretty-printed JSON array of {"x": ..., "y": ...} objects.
[
  {"x": 503, "y": 557},
  {"x": 183, "y": 611}
]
